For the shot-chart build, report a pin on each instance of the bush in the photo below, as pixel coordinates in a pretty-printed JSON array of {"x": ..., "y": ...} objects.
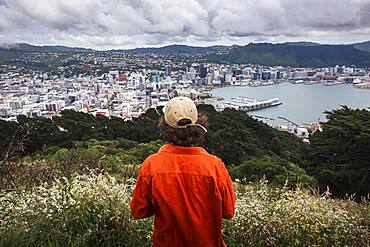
[
  {"x": 88, "y": 210},
  {"x": 93, "y": 210},
  {"x": 276, "y": 170},
  {"x": 268, "y": 216}
]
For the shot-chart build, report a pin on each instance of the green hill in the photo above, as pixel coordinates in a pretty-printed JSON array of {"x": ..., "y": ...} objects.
[
  {"x": 364, "y": 46},
  {"x": 294, "y": 55},
  {"x": 305, "y": 54},
  {"x": 67, "y": 181},
  {"x": 249, "y": 148}
]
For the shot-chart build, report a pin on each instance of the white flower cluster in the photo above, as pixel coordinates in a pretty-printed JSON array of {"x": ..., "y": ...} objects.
[
  {"x": 275, "y": 216},
  {"x": 94, "y": 209},
  {"x": 87, "y": 206}
]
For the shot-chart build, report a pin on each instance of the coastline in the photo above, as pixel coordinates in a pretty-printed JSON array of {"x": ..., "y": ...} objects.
[{"x": 301, "y": 103}]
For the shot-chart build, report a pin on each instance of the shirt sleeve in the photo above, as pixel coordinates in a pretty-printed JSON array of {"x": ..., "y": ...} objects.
[
  {"x": 141, "y": 203},
  {"x": 228, "y": 198}
]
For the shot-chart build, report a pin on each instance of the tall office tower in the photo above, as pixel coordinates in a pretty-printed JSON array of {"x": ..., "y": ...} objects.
[
  {"x": 203, "y": 72},
  {"x": 168, "y": 70},
  {"x": 289, "y": 72}
]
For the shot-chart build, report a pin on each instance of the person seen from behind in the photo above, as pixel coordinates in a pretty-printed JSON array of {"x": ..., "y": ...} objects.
[{"x": 187, "y": 190}]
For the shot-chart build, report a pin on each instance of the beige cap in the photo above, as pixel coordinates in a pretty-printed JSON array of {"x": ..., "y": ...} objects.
[{"x": 181, "y": 108}]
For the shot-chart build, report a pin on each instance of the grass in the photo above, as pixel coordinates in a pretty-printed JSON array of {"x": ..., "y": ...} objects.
[{"x": 93, "y": 210}]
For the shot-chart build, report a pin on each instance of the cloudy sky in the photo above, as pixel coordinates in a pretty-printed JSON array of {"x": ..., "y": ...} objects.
[{"x": 103, "y": 24}]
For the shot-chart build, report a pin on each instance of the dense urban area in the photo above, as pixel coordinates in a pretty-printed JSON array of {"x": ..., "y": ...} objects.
[
  {"x": 275, "y": 151},
  {"x": 126, "y": 84}
]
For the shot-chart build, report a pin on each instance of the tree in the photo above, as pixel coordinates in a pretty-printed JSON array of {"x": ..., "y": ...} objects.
[
  {"x": 341, "y": 153},
  {"x": 276, "y": 170}
]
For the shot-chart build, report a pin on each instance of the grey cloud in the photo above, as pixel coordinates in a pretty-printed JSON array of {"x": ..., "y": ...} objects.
[
  {"x": 121, "y": 23},
  {"x": 364, "y": 16}
]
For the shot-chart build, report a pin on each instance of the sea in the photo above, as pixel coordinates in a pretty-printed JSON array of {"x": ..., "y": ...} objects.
[{"x": 301, "y": 104}]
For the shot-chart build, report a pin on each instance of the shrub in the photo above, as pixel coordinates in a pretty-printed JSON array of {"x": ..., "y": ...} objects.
[
  {"x": 93, "y": 210},
  {"x": 277, "y": 216},
  {"x": 278, "y": 171},
  {"x": 88, "y": 210}
]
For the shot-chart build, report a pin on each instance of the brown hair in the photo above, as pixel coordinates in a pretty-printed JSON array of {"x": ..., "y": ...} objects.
[{"x": 192, "y": 135}]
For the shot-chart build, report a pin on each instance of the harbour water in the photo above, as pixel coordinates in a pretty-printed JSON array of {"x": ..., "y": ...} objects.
[{"x": 301, "y": 103}]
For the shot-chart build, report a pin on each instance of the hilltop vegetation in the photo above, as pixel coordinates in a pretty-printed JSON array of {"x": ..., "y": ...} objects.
[
  {"x": 338, "y": 157},
  {"x": 67, "y": 181},
  {"x": 340, "y": 154},
  {"x": 93, "y": 210},
  {"x": 233, "y": 136}
]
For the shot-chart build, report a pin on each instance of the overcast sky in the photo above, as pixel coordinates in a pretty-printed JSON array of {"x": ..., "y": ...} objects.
[{"x": 103, "y": 24}]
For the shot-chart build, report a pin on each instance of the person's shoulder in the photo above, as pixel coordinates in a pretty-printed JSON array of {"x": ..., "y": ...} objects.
[
  {"x": 215, "y": 160},
  {"x": 146, "y": 166},
  {"x": 219, "y": 167}
]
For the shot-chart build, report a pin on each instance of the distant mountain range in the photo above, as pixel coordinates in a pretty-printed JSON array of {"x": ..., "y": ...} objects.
[
  {"x": 364, "y": 46},
  {"x": 306, "y": 54},
  {"x": 293, "y": 54},
  {"x": 47, "y": 48},
  {"x": 177, "y": 49}
]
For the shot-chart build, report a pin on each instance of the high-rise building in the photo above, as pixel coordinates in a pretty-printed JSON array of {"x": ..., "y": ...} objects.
[
  {"x": 255, "y": 76},
  {"x": 168, "y": 70},
  {"x": 228, "y": 78},
  {"x": 155, "y": 78},
  {"x": 289, "y": 72},
  {"x": 203, "y": 72},
  {"x": 266, "y": 75}
]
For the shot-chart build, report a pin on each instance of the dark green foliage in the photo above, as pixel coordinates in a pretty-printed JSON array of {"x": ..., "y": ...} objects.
[
  {"x": 235, "y": 137},
  {"x": 7, "y": 130},
  {"x": 276, "y": 170},
  {"x": 6, "y": 55},
  {"x": 71, "y": 126},
  {"x": 79, "y": 126},
  {"x": 364, "y": 46},
  {"x": 294, "y": 55},
  {"x": 339, "y": 157},
  {"x": 178, "y": 49},
  {"x": 42, "y": 132},
  {"x": 23, "y": 47},
  {"x": 341, "y": 153},
  {"x": 107, "y": 155}
]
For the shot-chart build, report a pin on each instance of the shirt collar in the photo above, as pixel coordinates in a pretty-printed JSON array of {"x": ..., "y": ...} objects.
[{"x": 169, "y": 148}]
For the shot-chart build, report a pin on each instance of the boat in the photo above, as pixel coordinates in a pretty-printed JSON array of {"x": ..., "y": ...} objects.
[
  {"x": 364, "y": 85},
  {"x": 311, "y": 82},
  {"x": 250, "y": 104},
  {"x": 333, "y": 83}
]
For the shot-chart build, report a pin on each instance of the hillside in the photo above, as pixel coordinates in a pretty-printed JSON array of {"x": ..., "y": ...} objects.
[
  {"x": 249, "y": 148},
  {"x": 177, "y": 49},
  {"x": 23, "y": 47},
  {"x": 302, "y": 43},
  {"x": 294, "y": 55},
  {"x": 67, "y": 181},
  {"x": 233, "y": 136},
  {"x": 306, "y": 54},
  {"x": 170, "y": 49},
  {"x": 228, "y": 130},
  {"x": 364, "y": 46}
]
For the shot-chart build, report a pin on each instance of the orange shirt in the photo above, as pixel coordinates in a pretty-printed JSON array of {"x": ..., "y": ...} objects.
[{"x": 189, "y": 191}]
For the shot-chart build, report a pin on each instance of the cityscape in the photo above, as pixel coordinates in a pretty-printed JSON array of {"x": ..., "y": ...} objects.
[
  {"x": 126, "y": 84},
  {"x": 268, "y": 144}
]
